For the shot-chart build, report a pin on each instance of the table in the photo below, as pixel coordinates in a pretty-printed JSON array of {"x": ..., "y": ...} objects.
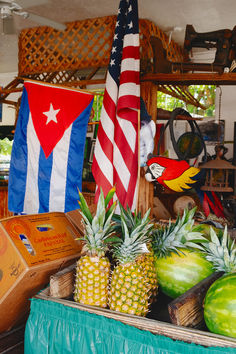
[{"x": 54, "y": 327}]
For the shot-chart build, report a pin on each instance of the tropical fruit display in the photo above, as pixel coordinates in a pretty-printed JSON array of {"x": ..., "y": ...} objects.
[
  {"x": 220, "y": 300},
  {"x": 147, "y": 262},
  {"x": 93, "y": 268},
  {"x": 221, "y": 252},
  {"x": 129, "y": 286},
  {"x": 220, "y": 306},
  {"x": 179, "y": 261},
  {"x": 146, "y": 259},
  {"x": 144, "y": 256},
  {"x": 177, "y": 273}
]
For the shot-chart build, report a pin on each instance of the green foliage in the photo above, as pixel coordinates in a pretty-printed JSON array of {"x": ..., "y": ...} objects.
[
  {"x": 205, "y": 94},
  {"x": 5, "y": 146},
  {"x": 97, "y": 106}
]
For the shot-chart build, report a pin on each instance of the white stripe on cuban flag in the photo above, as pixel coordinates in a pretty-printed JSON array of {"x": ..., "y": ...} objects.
[
  {"x": 31, "y": 205},
  {"x": 59, "y": 173}
]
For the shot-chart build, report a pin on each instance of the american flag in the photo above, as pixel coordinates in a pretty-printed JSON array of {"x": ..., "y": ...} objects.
[{"x": 115, "y": 161}]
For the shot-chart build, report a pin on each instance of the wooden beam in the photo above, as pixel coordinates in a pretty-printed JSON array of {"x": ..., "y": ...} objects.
[
  {"x": 11, "y": 103},
  {"x": 163, "y": 114},
  {"x": 8, "y": 91},
  {"x": 191, "y": 78},
  {"x": 85, "y": 82}
]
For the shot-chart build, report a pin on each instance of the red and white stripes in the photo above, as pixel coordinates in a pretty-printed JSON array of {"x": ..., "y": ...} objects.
[{"x": 116, "y": 151}]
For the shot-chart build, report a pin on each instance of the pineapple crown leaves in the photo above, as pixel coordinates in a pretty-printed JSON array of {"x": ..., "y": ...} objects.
[
  {"x": 133, "y": 242},
  {"x": 135, "y": 221},
  {"x": 98, "y": 228},
  {"x": 132, "y": 219},
  {"x": 181, "y": 234},
  {"x": 221, "y": 252},
  {"x": 186, "y": 232},
  {"x": 84, "y": 206}
]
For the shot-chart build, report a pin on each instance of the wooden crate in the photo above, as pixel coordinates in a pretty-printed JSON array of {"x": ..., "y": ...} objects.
[
  {"x": 34, "y": 247},
  {"x": 187, "y": 309}
]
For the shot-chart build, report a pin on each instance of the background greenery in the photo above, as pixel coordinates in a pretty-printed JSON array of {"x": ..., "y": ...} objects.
[{"x": 205, "y": 94}]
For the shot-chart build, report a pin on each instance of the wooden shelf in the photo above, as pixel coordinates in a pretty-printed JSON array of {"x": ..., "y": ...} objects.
[{"x": 192, "y": 78}]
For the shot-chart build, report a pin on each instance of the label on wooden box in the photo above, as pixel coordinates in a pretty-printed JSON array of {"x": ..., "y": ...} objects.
[{"x": 43, "y": 237}]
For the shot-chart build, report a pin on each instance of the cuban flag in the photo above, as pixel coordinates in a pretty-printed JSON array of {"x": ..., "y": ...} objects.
[{"x": 48, "y": 149}]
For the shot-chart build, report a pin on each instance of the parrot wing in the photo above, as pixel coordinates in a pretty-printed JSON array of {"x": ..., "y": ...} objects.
[{"x": 184, "y": 181}]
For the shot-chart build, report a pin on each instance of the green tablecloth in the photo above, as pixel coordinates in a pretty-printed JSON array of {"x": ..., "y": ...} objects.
[{"x": 54, "y": 328}]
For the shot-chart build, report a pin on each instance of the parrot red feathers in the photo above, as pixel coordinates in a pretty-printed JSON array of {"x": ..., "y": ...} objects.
[{"x": 172, "y": 174}]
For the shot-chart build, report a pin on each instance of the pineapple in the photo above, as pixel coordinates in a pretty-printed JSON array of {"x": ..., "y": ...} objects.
[
  {"x": 145, "y": 259},
  {"x": 147, "y": 262},
  {"x": 129, "y": 287},
  {"x": 93, "y": 268},
  {"x": 221, "y": 252},
  {"x": 176, "y": 236}
]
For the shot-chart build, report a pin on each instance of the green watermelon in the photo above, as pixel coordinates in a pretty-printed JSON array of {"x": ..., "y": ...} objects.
[
  {"x": 178, "y": 273},
  {"x": 220, "y": 306}
]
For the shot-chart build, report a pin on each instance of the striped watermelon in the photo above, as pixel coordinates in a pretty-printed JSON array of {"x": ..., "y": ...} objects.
[
  {"x": 178, "y": 273},
  {"x": 220, "y": 306}
]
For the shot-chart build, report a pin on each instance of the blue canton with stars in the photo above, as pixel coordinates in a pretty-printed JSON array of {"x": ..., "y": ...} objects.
[{"x": 127, "y": 23}]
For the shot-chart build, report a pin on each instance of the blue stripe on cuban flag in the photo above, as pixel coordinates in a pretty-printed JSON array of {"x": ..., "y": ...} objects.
[{"x": 37, "y": 184}]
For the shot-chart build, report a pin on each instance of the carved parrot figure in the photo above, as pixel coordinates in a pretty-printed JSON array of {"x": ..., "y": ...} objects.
[{"x": 176, "y": 175}]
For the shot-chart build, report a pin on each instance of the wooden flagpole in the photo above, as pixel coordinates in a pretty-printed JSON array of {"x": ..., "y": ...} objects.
[
  {"x": 146, "y": 189},
  {"x": 138, "y": 177}
]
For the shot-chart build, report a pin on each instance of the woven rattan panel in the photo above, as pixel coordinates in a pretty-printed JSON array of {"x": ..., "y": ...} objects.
[{"x": 84, "y": 44}]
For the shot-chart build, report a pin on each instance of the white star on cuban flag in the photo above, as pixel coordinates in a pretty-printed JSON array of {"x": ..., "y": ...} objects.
[{"x": 51, "y": 114}]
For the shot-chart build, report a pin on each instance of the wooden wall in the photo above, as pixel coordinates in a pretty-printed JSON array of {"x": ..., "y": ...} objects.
[{"x": 4, "y": 212}]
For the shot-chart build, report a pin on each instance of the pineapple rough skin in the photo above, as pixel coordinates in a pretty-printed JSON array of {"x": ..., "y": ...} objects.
[
  {"x": 92, "y": 278},
  {"x": 128, "y": 291}
]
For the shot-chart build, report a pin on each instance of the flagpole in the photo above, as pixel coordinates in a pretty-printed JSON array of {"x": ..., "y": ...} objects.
[
  {"x": 138, "y": 176},
  {"x": 60, "y": 86}
]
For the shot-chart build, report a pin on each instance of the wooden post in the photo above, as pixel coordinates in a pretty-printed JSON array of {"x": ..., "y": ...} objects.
[{"x": 146, "y": 189}]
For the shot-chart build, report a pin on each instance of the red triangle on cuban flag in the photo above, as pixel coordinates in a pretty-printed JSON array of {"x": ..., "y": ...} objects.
[{"x": 53, "y": 110}]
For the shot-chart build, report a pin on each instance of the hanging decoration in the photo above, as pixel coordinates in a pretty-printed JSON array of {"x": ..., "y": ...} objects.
[
  {"x": 218, "y": 168},
  {"x": 176, "y": 175},
  {"x": 172, "y": 174}
]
